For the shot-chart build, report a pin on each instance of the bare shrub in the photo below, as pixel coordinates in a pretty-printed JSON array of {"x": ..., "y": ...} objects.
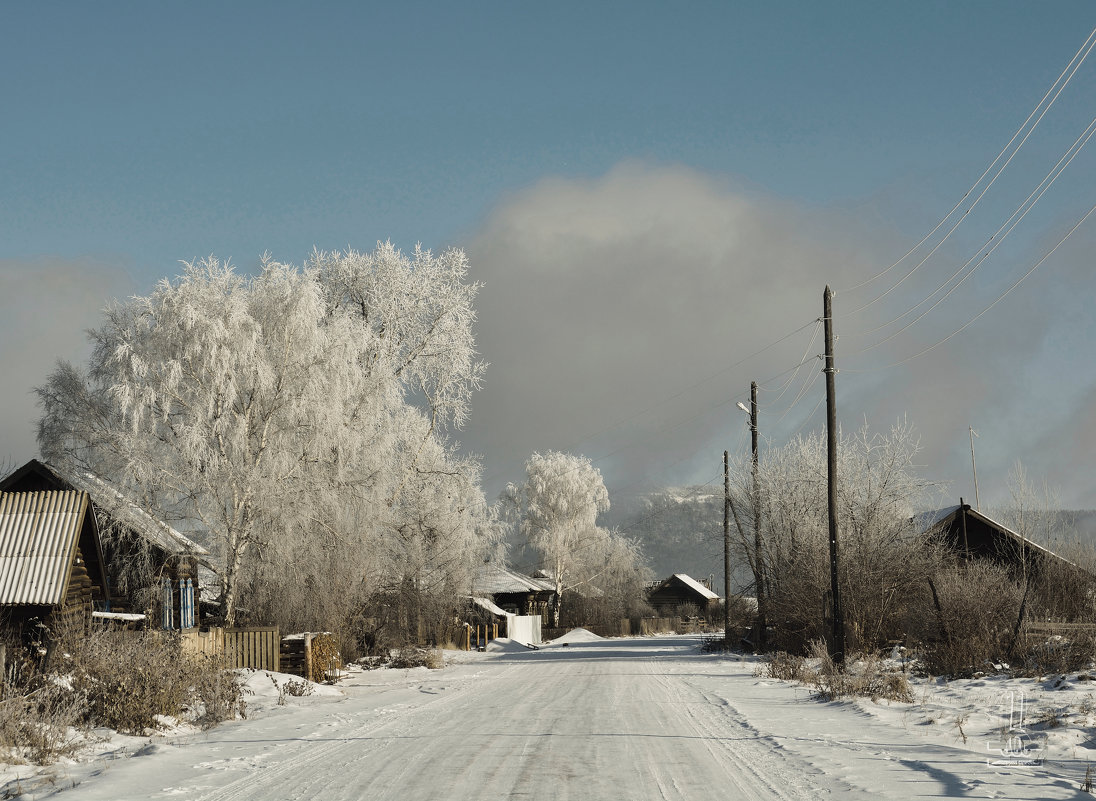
[
  {"x": 782, "y": 534},
  {"x": 1042, "y": 656},
  {"x": 38, "y": 727},
  {"x": 1065, "y": 589},
  {"x": 127, "y": 679},
  {"x": 788, "y": 667},
  {"x": 862, "y": 675},
  {"x": 417, "y": 657},
  {"x": 216, "y": 692},
  {"x": 976, "y": 607}
]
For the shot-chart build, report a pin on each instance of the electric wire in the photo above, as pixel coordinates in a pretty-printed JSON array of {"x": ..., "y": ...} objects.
[
  {"x": 1001, "y": 297},
  {"x": 676, "y": 424},
  {"x": 784, "y": 387},
  {"x": 1017, "y": 216},
  {"x": 806, "y": 419},
  {"x": 803, "y": 391},
  {"x": 1079, "y": 57}
]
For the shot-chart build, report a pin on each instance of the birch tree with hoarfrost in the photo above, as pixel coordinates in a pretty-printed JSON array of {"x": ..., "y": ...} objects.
[
  {"x": 557, "y": 505},
  {"x": 298, "y": 413}
]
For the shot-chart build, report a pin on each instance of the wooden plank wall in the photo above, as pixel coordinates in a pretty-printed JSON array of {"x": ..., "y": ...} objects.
[
  {"x": 209, "y": 643},
  {"x": 256, "y": 647}
]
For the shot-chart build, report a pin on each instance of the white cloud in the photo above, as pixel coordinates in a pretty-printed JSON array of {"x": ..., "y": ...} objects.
[{"x": 604, "y": 296}]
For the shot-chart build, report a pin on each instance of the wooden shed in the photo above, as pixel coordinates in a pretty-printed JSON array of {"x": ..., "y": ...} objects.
[{"x": 51, "y": 561}]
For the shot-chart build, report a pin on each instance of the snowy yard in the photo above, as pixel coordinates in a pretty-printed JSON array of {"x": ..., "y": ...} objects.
[{"x": 644, "y": 718}]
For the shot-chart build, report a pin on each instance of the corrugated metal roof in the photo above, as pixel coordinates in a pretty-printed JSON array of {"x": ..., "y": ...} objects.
[{"x": 39, "y": 532}]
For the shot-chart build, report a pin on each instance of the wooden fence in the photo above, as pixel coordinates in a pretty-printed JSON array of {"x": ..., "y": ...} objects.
[{"x": 257, "y": 647}]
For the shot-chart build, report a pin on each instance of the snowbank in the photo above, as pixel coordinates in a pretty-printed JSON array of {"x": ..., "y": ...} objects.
[{"x": 576, "y": 636}]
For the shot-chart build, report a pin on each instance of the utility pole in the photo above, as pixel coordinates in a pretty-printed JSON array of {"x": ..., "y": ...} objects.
[
  {"x": 759, "y": 567},
  {"x": 974, "y": 467},
  {"x": 726, "y": 552},
  {"x": 837, "y": 646}
]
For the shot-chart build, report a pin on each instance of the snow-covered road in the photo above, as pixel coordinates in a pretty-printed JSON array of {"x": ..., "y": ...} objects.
[{"x": 645, "y": 718}]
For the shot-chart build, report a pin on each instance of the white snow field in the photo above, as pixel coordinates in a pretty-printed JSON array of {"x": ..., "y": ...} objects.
[{"x": 592, "y": 719}]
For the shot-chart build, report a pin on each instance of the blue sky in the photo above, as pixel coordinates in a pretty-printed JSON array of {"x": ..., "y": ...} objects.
[{"x": 139, "y": 134}]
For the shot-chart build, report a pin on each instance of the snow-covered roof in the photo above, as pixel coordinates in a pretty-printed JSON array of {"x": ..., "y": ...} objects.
[
  {"x": 490, "y": 606},
  {"x": 492, "y": 579},
  {"x": 693, "y": 584},
  {"x": 126, "y": 617},
  {"x": 130, "y": 514},
  {"x": 927, "y": 520},
  {"x": 106, "y": 497}
]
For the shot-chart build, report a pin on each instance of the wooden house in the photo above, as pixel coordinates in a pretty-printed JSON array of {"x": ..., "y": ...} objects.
[
  {"x": 150, "y": 567},
  {"x": 669, "y": 596},
  {"x": 513, "y": 592},
  {"x": 972, "y": 535},
  {"x": 52, "y": 571}
]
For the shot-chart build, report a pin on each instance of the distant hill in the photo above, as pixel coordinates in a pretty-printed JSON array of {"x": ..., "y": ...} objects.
[{"x": 680, "y": 529}]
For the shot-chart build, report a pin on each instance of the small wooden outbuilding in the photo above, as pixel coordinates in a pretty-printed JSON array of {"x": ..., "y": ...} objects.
[
  {"x": 51, "y": 560},
  {"x": 150, "y": 567}
]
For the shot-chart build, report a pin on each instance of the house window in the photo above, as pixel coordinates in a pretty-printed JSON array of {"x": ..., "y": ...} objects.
[
  {"x": 167, "y": 604},
  {"x": 186, "y": 604}
]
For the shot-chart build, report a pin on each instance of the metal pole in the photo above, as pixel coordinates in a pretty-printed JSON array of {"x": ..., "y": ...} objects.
[{"x": 837, "y": 646}]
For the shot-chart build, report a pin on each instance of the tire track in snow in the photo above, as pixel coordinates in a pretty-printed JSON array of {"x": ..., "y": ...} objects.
[
  {"x": 369, "y": 735},
  {"x": 749, "y": 760}
]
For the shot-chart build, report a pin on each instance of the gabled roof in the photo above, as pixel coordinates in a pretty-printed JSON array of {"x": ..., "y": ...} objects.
[
  {"x": 110, "y": 501},
  {"x": 947, "y": 521},
  {"x": 695, "y": 585},
  {"x": 39, "y": 534},
  {"x": 492, "y": 579},
  {"x": 130, "y": 514}
]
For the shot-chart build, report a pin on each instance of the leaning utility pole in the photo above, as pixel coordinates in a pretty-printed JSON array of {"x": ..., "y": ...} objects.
[
  {"x": 726, "y": 552},
  {"x": 837, "y": 646},
  {"x": 759, "y": 567}
]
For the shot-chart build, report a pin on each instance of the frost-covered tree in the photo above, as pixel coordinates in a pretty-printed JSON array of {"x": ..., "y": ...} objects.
[
  {"x": 557, "y": 505},
  {"x": 280, "y": 410},
  {"x": 884, "y": 563}
]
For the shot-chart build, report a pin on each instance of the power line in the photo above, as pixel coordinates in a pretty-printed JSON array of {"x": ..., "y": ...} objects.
[
  {"x": 1015, "y": 219},
  {"x": 677, "y": 424},
  {"x": 990, "y": 306},
  {"x": 1079, "y": 57},
  {"x": 784, "y": 387}
]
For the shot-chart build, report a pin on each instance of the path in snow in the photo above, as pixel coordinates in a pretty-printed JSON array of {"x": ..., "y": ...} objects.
[{"x": 645, "y": 718}]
